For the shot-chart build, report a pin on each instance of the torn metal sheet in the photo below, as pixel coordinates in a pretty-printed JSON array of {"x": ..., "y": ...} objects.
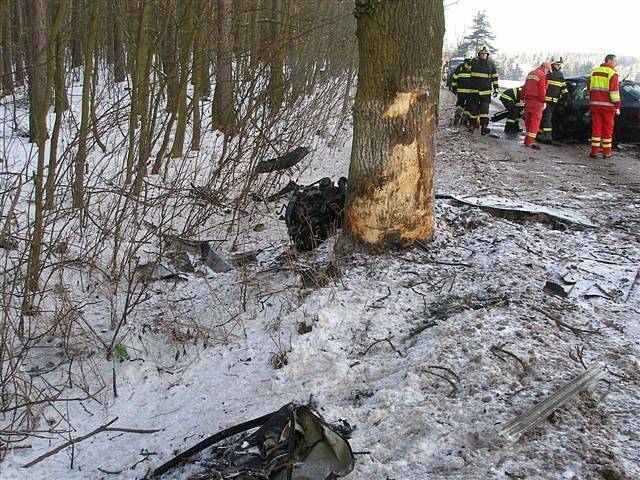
[
  {"x": 529, "y": 418},
  {"x": 516, "y": 210}
]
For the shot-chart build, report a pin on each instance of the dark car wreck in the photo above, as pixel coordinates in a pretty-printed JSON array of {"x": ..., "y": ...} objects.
[{"x": 572, "y": 120}]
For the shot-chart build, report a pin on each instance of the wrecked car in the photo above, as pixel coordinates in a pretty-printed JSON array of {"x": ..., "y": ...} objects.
[{"x": 572, "y": 120}]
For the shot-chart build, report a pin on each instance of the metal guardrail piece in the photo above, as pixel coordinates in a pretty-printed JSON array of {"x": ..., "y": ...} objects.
[{"x": 512, "y": 429}]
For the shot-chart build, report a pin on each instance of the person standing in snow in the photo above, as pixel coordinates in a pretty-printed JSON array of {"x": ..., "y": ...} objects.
[
  {"x": 534, "y": 93},
  {"x": 604, "y": 103}
]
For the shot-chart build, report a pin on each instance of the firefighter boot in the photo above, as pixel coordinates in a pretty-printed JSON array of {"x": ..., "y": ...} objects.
[
  {"x": 484, "y": 126},
  {"x": 456, "y": 119}
]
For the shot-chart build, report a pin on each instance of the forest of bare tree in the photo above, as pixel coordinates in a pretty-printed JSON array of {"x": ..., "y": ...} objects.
[{"x": 130, "y": 123}]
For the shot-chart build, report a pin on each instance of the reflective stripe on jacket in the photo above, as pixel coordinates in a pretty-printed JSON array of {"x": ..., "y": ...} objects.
[
  {"x": 603, "y": 87},
  {"x": 556, "y": 86},
  {"x": 513, "y": 95},
  {"x": 484, "y": 76},
  {"x": 461, "y": 79}
]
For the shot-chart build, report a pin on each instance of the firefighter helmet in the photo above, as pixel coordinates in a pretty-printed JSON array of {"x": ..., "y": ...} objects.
[
  {"x": 554, "y": 60},
  {"x": 484, "y": 49},
  {"x": 469, "y": 55}
]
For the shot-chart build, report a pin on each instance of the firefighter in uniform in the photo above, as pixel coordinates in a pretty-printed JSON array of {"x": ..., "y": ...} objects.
[
  {"x": 534, "y": 93},
  {"x": 461, "y": 86},
  {"x": 556, "y": 89},
  {"x": 514, "y": 103},
  {"x": 604, "y": 104},
  {"x": 484, "y": 81}
]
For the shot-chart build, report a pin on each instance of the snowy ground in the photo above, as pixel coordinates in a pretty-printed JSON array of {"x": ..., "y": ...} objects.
[{"x": 384, "y": 334}]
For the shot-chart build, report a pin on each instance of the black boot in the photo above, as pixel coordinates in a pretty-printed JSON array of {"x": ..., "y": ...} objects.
[
  {"x": 510, "y": 128},
  {"x": 543, "y": 138},
  {"x": 484, "y": 130}
]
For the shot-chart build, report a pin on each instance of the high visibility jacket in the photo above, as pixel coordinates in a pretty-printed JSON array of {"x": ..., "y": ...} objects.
[
  {"x": 556, "y": 86},
  {"x": 535, "y": 87},
  {"x": 603, "y": 88},
  {"x": 484, "y": 76},
  {"x": 513, "y": 95},
  {"x": 461, "y": 78}
]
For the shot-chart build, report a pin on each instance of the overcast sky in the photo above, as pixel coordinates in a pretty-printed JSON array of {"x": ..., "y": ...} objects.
[{"x": 612, "y": 26}]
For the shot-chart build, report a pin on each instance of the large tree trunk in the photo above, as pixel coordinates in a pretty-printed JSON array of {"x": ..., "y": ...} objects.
[
  {"x": 391, "y": 175},
  {"x": 222, "y": 109}
]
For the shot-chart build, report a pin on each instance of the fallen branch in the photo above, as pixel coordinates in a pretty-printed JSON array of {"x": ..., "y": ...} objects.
[
  {"x": 388, "y": 340},
  {"x": 454, "y": 385},
  {"x": 498, "y": 351},
  {"x": 578, "y": 332},
  {"x": 104, "y": 428}
]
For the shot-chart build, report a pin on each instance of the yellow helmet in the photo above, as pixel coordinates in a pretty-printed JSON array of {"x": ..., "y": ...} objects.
[{"x": 484, "y": 49}]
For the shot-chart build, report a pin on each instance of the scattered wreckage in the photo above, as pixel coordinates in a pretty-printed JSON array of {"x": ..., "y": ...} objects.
[{"x": 292, "y": 443}]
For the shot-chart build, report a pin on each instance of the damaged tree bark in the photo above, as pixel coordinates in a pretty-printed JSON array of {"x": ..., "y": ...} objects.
[{"x": 391, "y": 175}]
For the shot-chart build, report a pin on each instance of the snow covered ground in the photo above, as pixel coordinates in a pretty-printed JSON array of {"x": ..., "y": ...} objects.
[{"x": 408, "y": 347}]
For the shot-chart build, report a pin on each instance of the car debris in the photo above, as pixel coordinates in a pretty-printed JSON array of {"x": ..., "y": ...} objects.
[
  {"x": 200, "y": 249},
  {"x": 315, "y": 212},
  {"x": 213, "y": 260},
  {"x": 592, "y": 277},
  {"x": 288, "y": 188},
  {"x": 558, "y": 287},
  {"x": 154, "y": 270},
  {"x": 519, "y": 211},
  {"x": 281, "y": 163},
  {"x": 512, "y": 429},
  {"x": 292, "y": 443}
]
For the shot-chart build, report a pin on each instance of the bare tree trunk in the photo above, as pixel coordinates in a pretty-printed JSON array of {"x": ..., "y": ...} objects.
[
  {"x": 276, "y": 61},
  {"x": 169, "y": 53},
  {"x": 18, "y": 43},
  {"x": 76, "y": 34},
  {"x": 256, "y": 26},
  {"x": 222, "y": 109},
  {"x": 81, "y": 156},
  {"x": 39, "y": 105},
  {"x": 207, "y": 48},
  {"x": 196, "y": 74},
  {"x": 143, "y": 71},
  {"x": 37, "y": 68},
  {"x": 391, "y": 175},
  {"x": 61, "y": 103},
  {"x": 3, "y": 53},
  {"x": 119, "y": 70},
  {"x": 186, "y": 47}
]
